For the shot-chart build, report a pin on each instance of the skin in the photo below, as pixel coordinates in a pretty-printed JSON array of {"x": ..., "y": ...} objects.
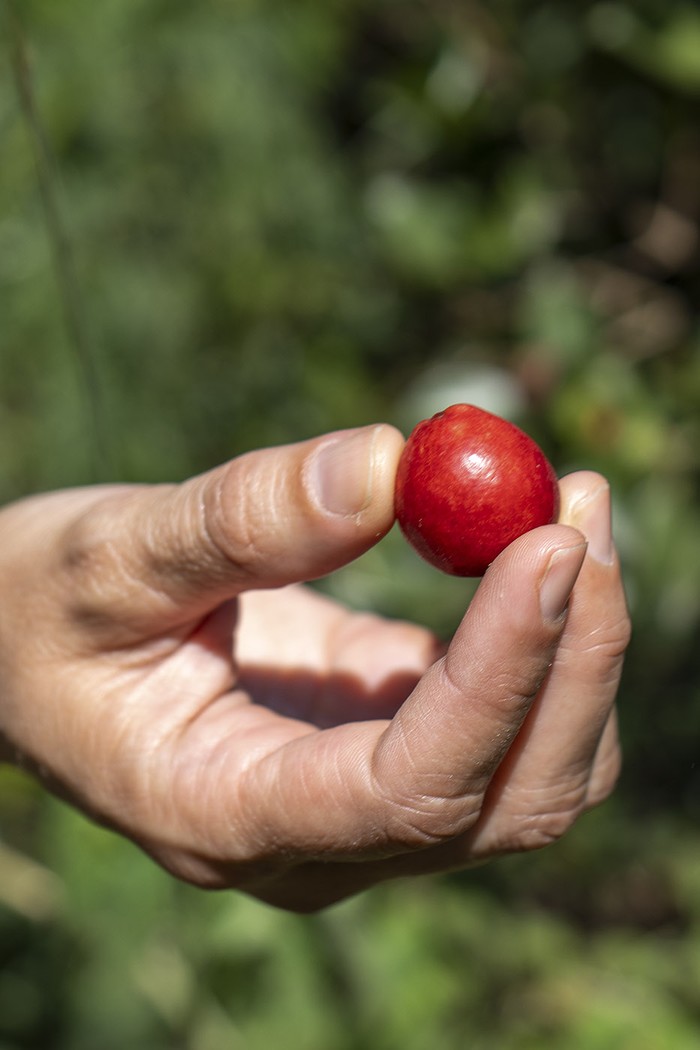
[{"x": 163, "y": 669}]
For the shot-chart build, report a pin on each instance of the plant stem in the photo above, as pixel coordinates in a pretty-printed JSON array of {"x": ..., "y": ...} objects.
[{"x": 62, "y": 252}]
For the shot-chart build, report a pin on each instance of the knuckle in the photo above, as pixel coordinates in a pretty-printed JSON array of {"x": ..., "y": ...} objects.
[
  {"x": 610, "y": 640},
  {"x": 419, "y": 803},
  {"x": 417, "y": 822},
  {"x": 512, "y": 688},
  {"x": 544, "y": 818},
  {"x": 238, "y": 516},
  {"x": 537, "y": 831},
  {"x": 601, "y": 653},
  {"x": 87, "y": 545},
  {"x": 605, "y": 779},
  {"x": 619, "y": 635},
  {"x": 515, "y": 689},
  {"x": 93, "y": 566},
  {"x": 423, "y": 809}
]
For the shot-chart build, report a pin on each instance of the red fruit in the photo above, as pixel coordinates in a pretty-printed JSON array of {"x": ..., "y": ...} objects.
[{"x": 468, "y": 484}]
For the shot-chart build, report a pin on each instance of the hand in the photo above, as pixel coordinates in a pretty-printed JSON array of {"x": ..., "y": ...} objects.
[{"x": 322, "y": 751}]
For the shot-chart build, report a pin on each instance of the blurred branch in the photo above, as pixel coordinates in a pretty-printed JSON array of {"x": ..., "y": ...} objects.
[
  {"x": 63, "y": 257},
  {"x": 27, "y": 887}
]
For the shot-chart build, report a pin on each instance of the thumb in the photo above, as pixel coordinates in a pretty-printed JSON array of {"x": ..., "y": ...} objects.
[{"x": 265, "y": 519}]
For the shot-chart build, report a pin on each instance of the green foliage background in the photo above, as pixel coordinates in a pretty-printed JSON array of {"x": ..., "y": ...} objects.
[{"x": 292, "y": 217}]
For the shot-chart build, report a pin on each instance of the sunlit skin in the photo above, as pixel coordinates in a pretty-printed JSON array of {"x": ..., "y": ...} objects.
[{"x": 163, "y": 668}]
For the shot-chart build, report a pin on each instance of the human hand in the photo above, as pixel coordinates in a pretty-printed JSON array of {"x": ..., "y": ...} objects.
[{"x": 323, "y": 751}]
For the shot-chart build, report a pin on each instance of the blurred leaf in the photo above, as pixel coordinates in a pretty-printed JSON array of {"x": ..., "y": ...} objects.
[{"x": 292, "y": 218}]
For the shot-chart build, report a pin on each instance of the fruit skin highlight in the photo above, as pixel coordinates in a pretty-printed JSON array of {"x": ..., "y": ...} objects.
[{"x": 468, "y": 484}]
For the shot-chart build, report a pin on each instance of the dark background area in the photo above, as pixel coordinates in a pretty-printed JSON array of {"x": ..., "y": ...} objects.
[{"x": 230, "y": 225}]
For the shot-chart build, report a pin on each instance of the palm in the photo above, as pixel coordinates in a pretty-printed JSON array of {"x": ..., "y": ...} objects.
[
  {"x": 309, "y": 681},
  {"x": 307, "y": 657},
  {"x": 218, "y": 697}
]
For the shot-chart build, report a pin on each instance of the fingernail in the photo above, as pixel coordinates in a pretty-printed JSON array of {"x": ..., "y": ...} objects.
[
  {"x": 341, "y": 472},
  {"x": 559, "y": 579},
  {"x": 593, "y": 517}
]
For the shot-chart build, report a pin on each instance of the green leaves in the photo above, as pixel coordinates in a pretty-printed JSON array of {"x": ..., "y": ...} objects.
[{"x": 287, "y": 218}]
